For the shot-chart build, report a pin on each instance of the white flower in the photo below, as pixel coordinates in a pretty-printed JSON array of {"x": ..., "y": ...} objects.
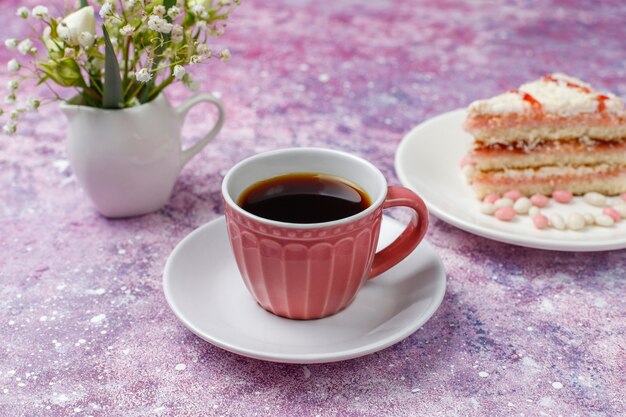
[
  {"x": 51, "y": 45},
  {"x": 33, "y": 104},
  {"x": 13, "y": 85},
  {"x": 177, "y": 33},
  {"x": 13, "y": 65},
  {"x": 23, "y": 12},
  {"x": 179, "y": 72},
  {"x": 158, "y": 24},
  {"x": 127, "y": 30},
  {"x": 173, "y": 12},
  {"x": 201, "y": 25},
  {"x": 130, "y": 4},
  {"x": 225, "y": 55},
  {"x": 25, "y": 46},
  {"x": 11, "y": 43},
  {"x": 10, "y": 128},
  {"x": 159, "y": 10},
  {"x": 14, "y": 115},
  {"x": 40, "y": 12},
  {"x": 69, "y": 53},
  {"x": 143, "y": 75},
  {"x": 106, "y": 9},
  {"x": 195, "y": 59},
  {"x": 86, "y": 39},
  {"x": 203, "y": 49},
  {"x": 65, "y": 34},
  {"x": 199, "y": 11},
  {"x": 11, "y": 98},
  {"x": 74, "y": 24}
]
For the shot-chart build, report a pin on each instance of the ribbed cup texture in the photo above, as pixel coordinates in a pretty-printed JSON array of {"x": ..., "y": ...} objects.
[{"x": 303, "y": 273}]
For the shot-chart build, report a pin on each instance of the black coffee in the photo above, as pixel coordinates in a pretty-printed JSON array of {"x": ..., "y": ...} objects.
[{"x": 304, "y": 198}]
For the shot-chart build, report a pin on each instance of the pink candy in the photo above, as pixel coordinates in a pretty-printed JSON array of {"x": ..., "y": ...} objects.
[
  {"x": 464, "y": 161},
  {"x": 491, "y": 198},
  {"x": 505, "y": 214},
  {"x": 540, "y": 221},
  {"x": 562, "y": 196},
  {"x": 513, "y": 195},
  {"x": 610, "y": 211},
  {"x": 623, "y": 196},
  {"x": 539, "y": 200}
]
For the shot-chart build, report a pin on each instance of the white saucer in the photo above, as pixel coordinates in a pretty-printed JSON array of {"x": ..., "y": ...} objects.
[
  {"x": 427, "y": 161},
  {"x": 204, "y": 289}
]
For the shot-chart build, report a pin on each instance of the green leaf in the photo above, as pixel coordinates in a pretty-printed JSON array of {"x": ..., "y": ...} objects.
[
  {"x": 66, "y": 73},
  {"x": 83, "y": 3},
  {"x": 113, "y": 97}
]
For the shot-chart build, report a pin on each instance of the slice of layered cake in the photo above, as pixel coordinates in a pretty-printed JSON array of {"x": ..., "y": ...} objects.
[{"x": 556, "y": 132}]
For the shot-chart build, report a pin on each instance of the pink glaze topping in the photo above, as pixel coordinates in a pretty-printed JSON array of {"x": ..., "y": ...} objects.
[
  {"x": 562, "y": 196},
  {"x": 513, "y": 195},
  {"x": 610, "y": 211},
  {"x": 539, "y": 200},
  {"x": 623, "y": 196},
  {"x": 540, "y": 221},
  {"x": 491, "y": 198},
  {"x": 505, "y": 214}
]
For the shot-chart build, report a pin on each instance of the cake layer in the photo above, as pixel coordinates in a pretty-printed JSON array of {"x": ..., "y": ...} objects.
[
  {"x": 506, "y": 129},
  {"x": 605, "y": 179},
  {"x": 559, "y": 153}
]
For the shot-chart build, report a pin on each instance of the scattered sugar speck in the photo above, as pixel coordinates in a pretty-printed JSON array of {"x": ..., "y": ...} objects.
[
  {"x": 307, "y": 372},
  {"x": 483, "y": 374},
  {"x": 324, "y": 78},
  {"x": 98, "y": 319},
  {"x": 557, "y": 385},
  {"x": 98, "y": 291},
  {"x": 181, "y": 367}
]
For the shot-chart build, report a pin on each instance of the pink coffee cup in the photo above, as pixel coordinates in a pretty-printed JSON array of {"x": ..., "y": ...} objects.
[{"x": 308, "y": 271}]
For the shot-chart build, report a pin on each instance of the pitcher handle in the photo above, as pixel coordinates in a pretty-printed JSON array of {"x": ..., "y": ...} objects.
[{"x": 182, "y": 111}]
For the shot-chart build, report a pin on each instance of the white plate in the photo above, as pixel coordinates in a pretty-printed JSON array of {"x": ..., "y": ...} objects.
[
  {"x": 204, "y": 289},
  {"x": 427, "y": 161}
]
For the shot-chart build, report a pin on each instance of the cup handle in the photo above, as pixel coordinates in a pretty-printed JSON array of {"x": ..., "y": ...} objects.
[
  {"x": 182, "y": 111},
  {"x": 410, "y": 237}
]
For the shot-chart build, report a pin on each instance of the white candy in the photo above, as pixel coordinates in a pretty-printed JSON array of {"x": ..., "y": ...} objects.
[
  {"x": 604, "y": 220},
  {"x": 575, "y": 221},
  {"x": 557, "y": 221},
  {"x": 621, "y": 209},
  {"x": 589, "y": 219},
  {"x": 618, "y": 202},
  {"x": 534, "y": 211},
  {"x": 487, "y": 208},
  {"x": 522, "y": 205},
  {"x": 595, "y": 199},
  {"x": 503, "y": 202}
]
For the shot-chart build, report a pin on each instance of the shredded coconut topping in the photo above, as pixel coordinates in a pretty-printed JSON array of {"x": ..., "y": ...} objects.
[{"x": 556, "y": 93}]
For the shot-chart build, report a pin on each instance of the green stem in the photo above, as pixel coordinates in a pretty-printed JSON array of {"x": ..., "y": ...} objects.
[
  {"x": 126, "y": 52},
  {"x": 161, "y": 87}
]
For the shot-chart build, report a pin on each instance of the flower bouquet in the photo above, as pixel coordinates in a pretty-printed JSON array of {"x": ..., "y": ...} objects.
[
  {"x": 143, "y": 47},
  {"x": 123, "y": 135}
]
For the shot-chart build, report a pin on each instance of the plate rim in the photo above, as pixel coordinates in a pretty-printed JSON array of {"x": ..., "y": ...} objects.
[
  {"x": 606, "y": 244},
  {"x": 299, "y": 358}
]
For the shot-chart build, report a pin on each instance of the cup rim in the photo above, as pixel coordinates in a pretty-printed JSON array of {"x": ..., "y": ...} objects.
[{"x": 355, "y": 217}]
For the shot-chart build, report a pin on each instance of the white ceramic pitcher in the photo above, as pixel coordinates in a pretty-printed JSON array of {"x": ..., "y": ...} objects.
[{"x": 127, "y": 160}]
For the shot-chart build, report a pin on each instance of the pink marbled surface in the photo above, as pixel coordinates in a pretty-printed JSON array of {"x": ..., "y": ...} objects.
[{"x": 346, "y": 74}]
